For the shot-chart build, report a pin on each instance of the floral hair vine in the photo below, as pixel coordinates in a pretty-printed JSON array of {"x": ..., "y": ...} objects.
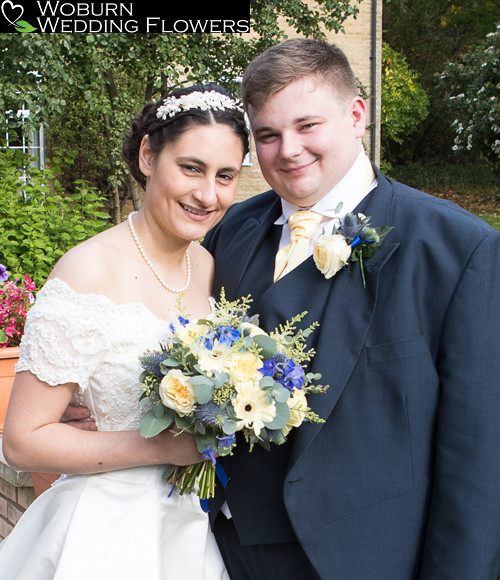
[
  {"x": 196, "y": 100},
  {"x": 353, "y": 241}
]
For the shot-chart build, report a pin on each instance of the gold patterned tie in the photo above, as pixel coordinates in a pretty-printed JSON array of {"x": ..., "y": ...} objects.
[{"x": 303, "y": 224}]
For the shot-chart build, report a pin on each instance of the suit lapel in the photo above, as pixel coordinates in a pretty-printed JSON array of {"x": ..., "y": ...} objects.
[
  {"x": 346, "y": 319},
  {"x": 242, "y": 255}
]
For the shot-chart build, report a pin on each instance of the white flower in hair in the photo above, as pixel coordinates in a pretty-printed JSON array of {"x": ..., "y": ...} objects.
[{"x": 196, "y": 100}]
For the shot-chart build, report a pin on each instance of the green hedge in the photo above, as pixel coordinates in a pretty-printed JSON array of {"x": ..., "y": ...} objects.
[{"x": 39, "y": 221}]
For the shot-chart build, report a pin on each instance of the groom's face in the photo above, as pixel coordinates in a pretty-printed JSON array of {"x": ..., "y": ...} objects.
[{"x": 307, "y": 137}]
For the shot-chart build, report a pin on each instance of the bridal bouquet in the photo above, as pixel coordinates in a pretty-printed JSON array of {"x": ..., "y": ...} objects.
[{"x": 224, "y": 374}]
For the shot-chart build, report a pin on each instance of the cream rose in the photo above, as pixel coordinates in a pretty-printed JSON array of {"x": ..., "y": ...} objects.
[
  {"x": 298, "y": 407},
  {"x": 177, "y": 393},
  {"x": 243, "y": 366},
  {"x": 331, "y": 253}
]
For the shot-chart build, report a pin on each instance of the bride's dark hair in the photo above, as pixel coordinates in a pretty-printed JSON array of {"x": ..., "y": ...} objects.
[{"x": 162, "y": 131}]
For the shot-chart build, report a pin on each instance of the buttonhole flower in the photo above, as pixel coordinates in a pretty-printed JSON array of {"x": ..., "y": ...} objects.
[{"x": 353, "y": 241}]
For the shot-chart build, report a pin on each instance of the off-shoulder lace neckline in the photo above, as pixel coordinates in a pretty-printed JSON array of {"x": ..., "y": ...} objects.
[{"x": 105, "y": 299}]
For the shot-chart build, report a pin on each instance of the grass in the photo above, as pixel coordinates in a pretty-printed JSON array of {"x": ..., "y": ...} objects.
[
  {"x": 492, "y": 218},
  {"x": 474, "y": 187}
]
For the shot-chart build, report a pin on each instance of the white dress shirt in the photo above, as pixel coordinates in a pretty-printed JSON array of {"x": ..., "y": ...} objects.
[{"x": 338, "y": 202}]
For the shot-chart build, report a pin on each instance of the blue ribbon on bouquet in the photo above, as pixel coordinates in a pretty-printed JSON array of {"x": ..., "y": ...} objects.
[{"x": 222, "y": 477}]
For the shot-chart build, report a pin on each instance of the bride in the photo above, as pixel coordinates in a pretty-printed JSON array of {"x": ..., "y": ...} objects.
[{"x": 106, "y": 302}]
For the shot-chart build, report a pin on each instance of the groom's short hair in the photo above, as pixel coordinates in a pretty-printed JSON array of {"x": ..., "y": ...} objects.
[{"x": 293, "y": 59}]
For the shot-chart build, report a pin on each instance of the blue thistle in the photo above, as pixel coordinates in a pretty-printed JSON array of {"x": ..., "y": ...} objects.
[
  {"x": 280, "y": 358},
  {"x": 211, "y": 415},
  {"x": 151, "y": 362},
  {"x": 351, "y": 226},
  {"x": 275, "y": 436}
]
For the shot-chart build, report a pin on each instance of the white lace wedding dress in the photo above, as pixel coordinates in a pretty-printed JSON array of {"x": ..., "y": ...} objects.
[{"x": 123, "y": 525}]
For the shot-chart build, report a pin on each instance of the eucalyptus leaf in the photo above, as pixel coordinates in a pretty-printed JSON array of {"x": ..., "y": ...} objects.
[
  {"x": 205, "y": 441},
  {"x": 221, "y": 379},
  {"x": 203, "y": 392},
  {"x": 279, "y": 393},
  {"x": 229, "y": 427},
  {"x": 281, "y": 418},
  {"x": 201, "y": 380},
  {"x": 267, "y": 346},
  {"x": 181, "y": 422},
  {"x": 150, "y": 425},
  {"x": 169, "y": 362},
  {"x": 266, "y": 382}
]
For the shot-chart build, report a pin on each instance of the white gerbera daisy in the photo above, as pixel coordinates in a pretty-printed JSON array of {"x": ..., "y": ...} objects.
[
  {"x": 252, "y": 407},
  {"x": 216, "y": 360}
]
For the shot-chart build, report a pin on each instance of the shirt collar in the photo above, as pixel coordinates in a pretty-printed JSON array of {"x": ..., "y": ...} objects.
[{"x": 340, "y": 200}]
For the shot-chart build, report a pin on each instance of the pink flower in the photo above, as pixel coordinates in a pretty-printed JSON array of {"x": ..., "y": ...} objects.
[
  {"x": 16, "y": 297},
  {"x": 30, "y": 285}
]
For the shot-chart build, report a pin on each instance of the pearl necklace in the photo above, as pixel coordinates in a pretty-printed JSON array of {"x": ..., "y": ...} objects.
[{"x": 152, "y": 268}]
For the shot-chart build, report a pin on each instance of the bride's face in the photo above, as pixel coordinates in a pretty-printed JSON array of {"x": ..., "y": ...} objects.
[{"x": 193, "y": 181}]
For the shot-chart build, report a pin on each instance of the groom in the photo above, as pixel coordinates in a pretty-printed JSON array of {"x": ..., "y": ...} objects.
[{"x": 402, "y": 481}]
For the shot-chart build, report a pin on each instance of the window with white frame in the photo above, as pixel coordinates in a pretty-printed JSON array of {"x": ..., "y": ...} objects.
[{"x": 24, "y": 137}]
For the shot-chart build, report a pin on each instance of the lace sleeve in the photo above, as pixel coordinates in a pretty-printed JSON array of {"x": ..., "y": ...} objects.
[{"x": 63, "y": 339}]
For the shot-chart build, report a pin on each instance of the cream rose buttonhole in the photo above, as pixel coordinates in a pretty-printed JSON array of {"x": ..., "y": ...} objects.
[
  {"x": 177, "y": 393},
  {"x": 331, "y": 253}
]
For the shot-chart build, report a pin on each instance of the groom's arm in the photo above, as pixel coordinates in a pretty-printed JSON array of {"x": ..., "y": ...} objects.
[{"x": 463, "y": 532}]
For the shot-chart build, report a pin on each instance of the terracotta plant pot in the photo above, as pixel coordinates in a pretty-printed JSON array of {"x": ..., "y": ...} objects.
[
  {"x": 8, "y": 359},
  {"x": 42, "y": 481}
]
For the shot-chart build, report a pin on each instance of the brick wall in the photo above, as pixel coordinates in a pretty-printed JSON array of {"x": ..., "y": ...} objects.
[{"x": 16, "y": 494}]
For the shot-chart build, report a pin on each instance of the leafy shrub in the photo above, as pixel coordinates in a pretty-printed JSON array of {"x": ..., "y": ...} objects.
[
  {"x": 39, "y": 222},
  {"x": 404, "y": 101}
]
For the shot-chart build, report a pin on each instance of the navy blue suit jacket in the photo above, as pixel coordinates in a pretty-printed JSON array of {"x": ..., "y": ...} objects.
[{"x": 402, "y": 481}]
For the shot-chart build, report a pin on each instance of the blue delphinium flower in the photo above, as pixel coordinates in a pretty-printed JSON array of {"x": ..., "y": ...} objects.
[
  {"x": 209, "y": 453},
  {"x": 4, "y": 275},
  {"x": 227, "y": 335},
  {"x": 208, "y": 339},
  {"x": 183, "y": 321},
  {"x": 226, "y": 440},
  {"x": 270, "y": 368},
  {"x": 284, "y": 371},
  {"x": 293, "y": 376}
]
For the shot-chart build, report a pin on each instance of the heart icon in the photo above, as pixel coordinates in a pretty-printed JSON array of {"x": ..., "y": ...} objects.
[{"x": 10, "y": 12}]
